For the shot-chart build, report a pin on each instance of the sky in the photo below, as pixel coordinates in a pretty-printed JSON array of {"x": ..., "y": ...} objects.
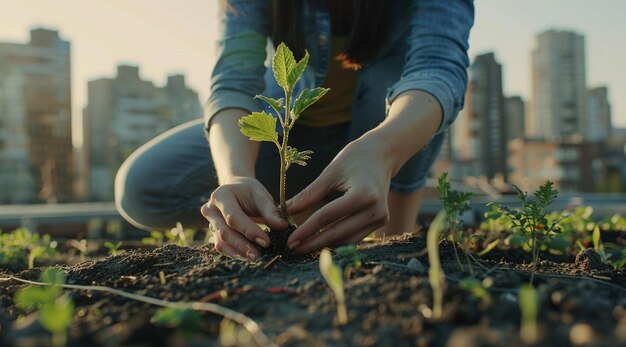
[{"x": 167, "y": 37}]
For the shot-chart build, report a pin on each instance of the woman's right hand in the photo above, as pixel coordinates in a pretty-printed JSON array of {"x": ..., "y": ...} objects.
[{"x": 230, "y": 210}]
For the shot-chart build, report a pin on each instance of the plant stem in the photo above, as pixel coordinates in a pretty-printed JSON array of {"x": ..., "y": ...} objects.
[{"x": 283, "y": 156}]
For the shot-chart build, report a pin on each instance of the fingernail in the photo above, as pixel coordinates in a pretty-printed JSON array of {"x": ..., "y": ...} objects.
[
  {"x": 252, "y": 256},
  {"x": 294, "y": 244},
  {"x": 261, "y": 242}
]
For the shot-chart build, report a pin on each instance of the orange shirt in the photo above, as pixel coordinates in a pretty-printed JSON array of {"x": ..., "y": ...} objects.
[{"x": 336, "y": 106}]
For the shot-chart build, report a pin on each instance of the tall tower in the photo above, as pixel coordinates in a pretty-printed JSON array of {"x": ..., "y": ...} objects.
[
  {"x": 558, "y": 110},
  {"x": 598, "y": 115},
  {"x": 480, "y": 135},
  {"x": 36, "y": 154},
  {"x": 124, "y": 113}
]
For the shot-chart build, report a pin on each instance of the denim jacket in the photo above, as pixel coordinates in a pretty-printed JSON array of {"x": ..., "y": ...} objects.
[{"x": 426, "y": 50}]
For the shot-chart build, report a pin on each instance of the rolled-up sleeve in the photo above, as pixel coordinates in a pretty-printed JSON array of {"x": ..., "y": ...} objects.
[
  {"x": 436, "y": 60},
  {"x": 238, "y": 73}
]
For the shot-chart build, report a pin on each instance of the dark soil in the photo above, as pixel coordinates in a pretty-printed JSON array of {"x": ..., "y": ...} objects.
[{"x": 389, "y": 300}]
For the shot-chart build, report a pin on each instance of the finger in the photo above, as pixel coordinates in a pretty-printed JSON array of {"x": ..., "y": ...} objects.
[
  {"x": 349, "y": 204},
  {"x": 225, "y": 234},
  {"x": 312, "y": 194},
  {"x": 269, "y": 212},
  {"x": 351, "y": 229},
  {"x": 234, "y": 217},
  {"x": 227, "y": 249}
]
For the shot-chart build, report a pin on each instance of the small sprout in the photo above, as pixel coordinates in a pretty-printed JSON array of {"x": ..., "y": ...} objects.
[
  {"x": 162, "y": 277},
  {"x": 454, "y": 203},
  {"x": 114, "y": 248},
  {"x": 21, "y": 247},
  {"x": 352, "y": 252},
  {"x": 55, "y": 309},
  {"x": 187, "y": 320},
  {"x": 477, "y": 289},
  {"x": 529, "y": 306},
  {"x": 233, "y": 335},
  {"x": 155, "y": 239},
  {"x": 81, "y": 246},
  {"x": 435, "y": 273},
  {"x": 334, "y": 277}
]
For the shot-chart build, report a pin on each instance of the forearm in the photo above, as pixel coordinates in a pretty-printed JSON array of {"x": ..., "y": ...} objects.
[
  {"x": 414, "y": 117},
  {"x": 233, "y": 154}
]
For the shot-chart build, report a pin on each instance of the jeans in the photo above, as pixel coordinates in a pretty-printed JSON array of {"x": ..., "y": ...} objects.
[{"x": 168, "y": 179}]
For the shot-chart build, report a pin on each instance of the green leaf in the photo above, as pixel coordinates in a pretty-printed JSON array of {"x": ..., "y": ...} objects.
[
  {"x": 259, "y": 126},
  {"x": 294, "y": 74},
  {"x": 489, "y": 247},
  {"x": 334, "y": 277},
  {"x": 282, "y": 65},
  {"x": 57, "y": 317},
  {"x": 596, "y": 239},
  {"x": 187, "y": 319},
  {"x": 300, "y": 158},
  {"x": 307, "y": 98},
  {"x": 32, "y": 297},
  {"x": 277, "y": 105}
]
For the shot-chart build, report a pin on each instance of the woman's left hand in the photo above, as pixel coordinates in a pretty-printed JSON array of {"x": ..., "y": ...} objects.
[{"x": 362, "y": 170}]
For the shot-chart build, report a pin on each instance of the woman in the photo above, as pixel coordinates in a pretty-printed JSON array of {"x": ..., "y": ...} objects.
[{"x": 397, "y": 73}]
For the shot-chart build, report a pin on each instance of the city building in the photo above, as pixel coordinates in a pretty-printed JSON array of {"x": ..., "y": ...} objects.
[
  {"x": 514, "y": 111},
  {"x": 122, "y": 114},
  {"x": 479, "y": 133},
  {"x": 36, "y": 158},
  {"x": 558, "y": 110},
  {"x": 572, "y": 166},
  {"x": 598, "y": 115}
]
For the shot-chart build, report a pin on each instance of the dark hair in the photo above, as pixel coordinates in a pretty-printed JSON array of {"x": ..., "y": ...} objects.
[{"x": 363, "y": 21}]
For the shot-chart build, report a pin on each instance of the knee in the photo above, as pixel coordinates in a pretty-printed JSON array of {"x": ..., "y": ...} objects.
[{"x": 137, "y": 197}]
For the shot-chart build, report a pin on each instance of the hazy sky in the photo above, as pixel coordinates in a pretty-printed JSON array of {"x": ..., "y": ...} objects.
[{"x": 165, "y": 37}]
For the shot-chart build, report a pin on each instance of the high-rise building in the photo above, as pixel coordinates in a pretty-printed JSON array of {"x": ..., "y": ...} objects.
[
  {"x": 36, "y": 160},
  {"x": 514, "y": 113},
  {"x": 558, "y": 110},
  {"x": 598, "y": 115},
  {"x": 480, "y": 130},
  {"x": 122, "y": 114}
]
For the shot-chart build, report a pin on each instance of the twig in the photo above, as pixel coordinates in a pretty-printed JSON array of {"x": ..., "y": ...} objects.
[
  {"x": 270, "y": 264},
  {"x": 250, "y": 325}
]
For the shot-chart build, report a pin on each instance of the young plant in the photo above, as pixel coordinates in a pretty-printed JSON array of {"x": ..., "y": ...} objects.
[
  {"x": 114, "y": 248},
  {"x": 530, "y": 222},
  {"x": 81, "y": 246},
  {"x": 55, "y": 309},
  {"x": 187, "y": 320},
  {"x": 334, "y": 277},
  {"x": 436, "y": 275},
  {"x": 529, "y": 306},
  {"x": 21, "y": 247},
  {"x": 260, "y": 126},
  {"x": 352, "y": 252},
  {"x": 454, "y": 203}
]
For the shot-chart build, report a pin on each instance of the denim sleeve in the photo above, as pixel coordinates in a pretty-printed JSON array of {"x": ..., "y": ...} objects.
[
  {"x": 436, "y": 60},
  {"x": 238, "y": 73}
]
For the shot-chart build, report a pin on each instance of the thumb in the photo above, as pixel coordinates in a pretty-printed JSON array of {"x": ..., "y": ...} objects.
[
  {"x": 311, "y": 195},
  {"x": 269, "y": 212}
]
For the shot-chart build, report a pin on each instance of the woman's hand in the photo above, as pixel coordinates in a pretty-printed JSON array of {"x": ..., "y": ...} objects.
[
  {"x": 229, "y": 210},
  {"x": 363, "y": 171}
]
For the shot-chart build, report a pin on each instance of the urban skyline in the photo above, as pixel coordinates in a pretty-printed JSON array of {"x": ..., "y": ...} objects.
[{"x": 188, "y": 31}]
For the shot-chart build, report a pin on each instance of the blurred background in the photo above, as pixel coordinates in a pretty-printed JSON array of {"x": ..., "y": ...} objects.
[{"x": 85, "y": 83}]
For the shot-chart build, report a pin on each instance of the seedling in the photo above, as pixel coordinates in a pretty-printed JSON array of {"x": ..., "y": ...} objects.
[
  {"x": 477, "y": 289},
  {"x": 81, "y": 246},
  {"x": 334, "y": 277},
  {"x": 22, "y": 247},
  {"x": 435, "y": 272},
  {"x": 260, "y": 126},
  {"x": 114, "y": 248},
  {"x": 530, "y": 223},
  {"x": 55, "y": 309},
  {"x": 177, "y": 235},
  {"x": 529, "y": 306},
  {"x": 187, "y": 320},
  {"x": 352, "y": 252},
  {"x": 454, "y": 203}
]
